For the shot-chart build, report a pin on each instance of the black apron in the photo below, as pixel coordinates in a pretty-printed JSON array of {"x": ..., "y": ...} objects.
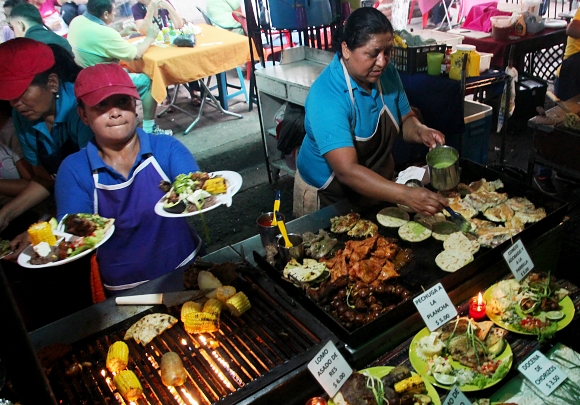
[{"x": 373, "y": 153}]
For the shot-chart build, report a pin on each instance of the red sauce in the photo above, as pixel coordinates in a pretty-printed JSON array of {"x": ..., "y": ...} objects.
[{"x": 266, "y": 222}]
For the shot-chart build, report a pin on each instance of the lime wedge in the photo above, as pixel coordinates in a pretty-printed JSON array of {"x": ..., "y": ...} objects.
[
  {"x": 555, "y": 315},
  {"x": 445, "y": 379}
]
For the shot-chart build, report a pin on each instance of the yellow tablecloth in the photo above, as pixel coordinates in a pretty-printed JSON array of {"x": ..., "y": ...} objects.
[{"x": 216, "y": 51}]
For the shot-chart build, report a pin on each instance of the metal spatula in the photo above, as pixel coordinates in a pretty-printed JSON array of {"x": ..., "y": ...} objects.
[{"x": 458, "y": 220}]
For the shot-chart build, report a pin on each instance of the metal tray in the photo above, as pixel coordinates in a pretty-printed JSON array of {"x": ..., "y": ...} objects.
[{"x": 422, "y": 272}]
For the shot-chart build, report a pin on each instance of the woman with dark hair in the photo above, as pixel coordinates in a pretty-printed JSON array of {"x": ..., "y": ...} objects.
[
  {"x": 354, "y": 111},
  {"x": 38, "y": 80}
]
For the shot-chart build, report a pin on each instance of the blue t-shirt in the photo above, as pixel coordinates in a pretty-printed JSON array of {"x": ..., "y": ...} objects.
[
  {"x": 329, "y": 116},
  {"x": 75, "y": 187},
  {"x": 67, "y": 125}
]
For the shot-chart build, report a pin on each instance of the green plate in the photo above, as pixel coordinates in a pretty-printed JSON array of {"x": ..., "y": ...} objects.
[
  {"x": 566, "y": 304},
  {"x": 379, "y": 372},
  {"x": 420, "y": 365}
]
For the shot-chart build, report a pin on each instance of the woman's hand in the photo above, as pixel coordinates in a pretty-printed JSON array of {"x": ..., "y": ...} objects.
[
  {"x": 431, "y": 137},
  {"x": 18, "y": 244},
  {"x": 424, "y": 201}
]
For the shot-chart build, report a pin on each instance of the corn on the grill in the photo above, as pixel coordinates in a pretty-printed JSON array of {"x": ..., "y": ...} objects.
[
  {"x": 117, "y": 357},
  {"x": 128, "y": 385},
  {"x": 411, "y": 385},
  {"x": 238, "y": 304},
  {"x": 216, "y": 185},
  {"x": 213, "y": 306},
  {"x": 189, "y": 307},
  {"x": 201, "y": 322},
  {"x": 41, "y": 232},
  {"x": 225, "y": 293}
]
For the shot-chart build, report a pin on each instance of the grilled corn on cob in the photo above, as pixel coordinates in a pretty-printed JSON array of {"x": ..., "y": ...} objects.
[
  {"x": 117, "y": 357},
  {"x": 41, "y": 232},
  {"x": 411, "y": 385},
  {"x": 215, "y": 185},
  {"x": 238, "y": 304},
  {"x": 201, "y": 322},
  {"x": 213, "y": 306},
  {"x": 225, "y": 293},
  {"x": 189, "y": 307},
  {"x": 128, "y": 385}
]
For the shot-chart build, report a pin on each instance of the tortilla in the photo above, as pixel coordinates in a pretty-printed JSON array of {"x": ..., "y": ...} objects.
[
  {"x": 453, "y": 259},
  {"x": 392, "y": 217},
  {"x": 442, "y": 230},
  {"x": 414, "y": 232},
  {"x": 150, "y": 326},
  {"x": 459, "y": 241}
]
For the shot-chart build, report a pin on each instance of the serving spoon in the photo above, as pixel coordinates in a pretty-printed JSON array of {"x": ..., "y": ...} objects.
[{"x": 282, "y": 228}]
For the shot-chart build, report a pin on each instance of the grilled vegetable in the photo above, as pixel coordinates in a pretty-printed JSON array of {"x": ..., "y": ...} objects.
[
  {"x": 201, "y": 322},
  {"x": 128, "y": 385},
  {"x": 41, "y": 232},
  {"x": 172, "y": 371},
  {"x": 216, "y": 185},
  {"x": 225, "y": 293},
  {"x": 397, "y": 374},
  {"x": 189, "y": 307},
  {"x": 411, "y": 385},
  {"x": 238, "y": 304},
  {"x": 213, "y": 306},
  {"x": 117, "y": 357}
]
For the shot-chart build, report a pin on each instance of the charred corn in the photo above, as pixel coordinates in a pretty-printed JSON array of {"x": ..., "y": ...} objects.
[
  {"x": 215, "y": 185},
  {"x": 128, "y": 385},
  {"x": 213, "y": 306},
  {"x": 189, "y": 307},
  {"x": 238, "y": 304},
  {"x": 41, "y": 232},
  {"x": 201, "y": 322},
  {"x": 411, "y": 385},
  {"x": 117, "y": 357},
  {"x": 225, "y": 293}
]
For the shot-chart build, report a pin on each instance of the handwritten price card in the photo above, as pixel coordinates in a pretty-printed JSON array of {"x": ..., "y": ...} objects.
[
  {"x": 435, "y": 307},
  {"x": 544, "y": 374},
  {"x": 456, "y": 397},
  {"x": 518, "y": 260},
  {"x": 330, "y": 369}
]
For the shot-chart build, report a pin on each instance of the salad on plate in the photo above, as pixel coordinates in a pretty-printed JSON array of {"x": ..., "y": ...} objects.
[{"x": 192, "y": 192}]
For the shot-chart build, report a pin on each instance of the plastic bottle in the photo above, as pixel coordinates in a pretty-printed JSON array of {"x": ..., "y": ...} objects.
[
  {"x": 520, "y": 26},
  {"x": 446, "y": 63}
]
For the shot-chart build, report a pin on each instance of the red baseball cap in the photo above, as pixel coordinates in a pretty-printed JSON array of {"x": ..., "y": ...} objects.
[
  {"x": 22, "y": 59},
  {"x": 96, "y": 83}
]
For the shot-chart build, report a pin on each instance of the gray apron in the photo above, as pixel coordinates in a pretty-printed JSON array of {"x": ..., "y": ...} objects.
[{"x": 373, "y": 153}]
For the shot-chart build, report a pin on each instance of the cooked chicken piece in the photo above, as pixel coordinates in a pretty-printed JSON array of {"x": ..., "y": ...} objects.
[
  {"x": 450, "y": 329},
  {"x": 461, "y": 207},
  {"x": 519, "y": 203},
  {"x": 358, "y": 250},
  {"x": 388, "y": 271},
  {"x": 337, "y": 266},
  {"x": 344, "y": 223},
  {"x": 477, "y": 224},
  {"x": 363, "y": 228},
  {"x": 482, "y": 200},
  {"x": 499, "y": 213},
  {"x": 531, "y": 215},
  {"x": 385, "y": 249},
  {"x": 479, "y": 185},
  {"x": 365, "y": 270}
]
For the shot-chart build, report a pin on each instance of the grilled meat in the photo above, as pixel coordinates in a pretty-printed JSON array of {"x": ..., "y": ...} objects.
[{"x": 79, "y": 226}]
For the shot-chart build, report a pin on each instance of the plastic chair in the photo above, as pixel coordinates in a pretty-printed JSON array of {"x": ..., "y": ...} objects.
[
  {"x": 425, "y": 16},
  {"x": 222, "y": 76}
]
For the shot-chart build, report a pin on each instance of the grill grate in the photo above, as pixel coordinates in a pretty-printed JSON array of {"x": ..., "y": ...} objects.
[{"x": 223, "y": 367}]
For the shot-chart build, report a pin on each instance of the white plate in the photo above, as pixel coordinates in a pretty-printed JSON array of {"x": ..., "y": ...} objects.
[
  {"x": 24, "y": 258},
  {"x": 234, "y": 180},
  {"x": 554, "y": 23}
]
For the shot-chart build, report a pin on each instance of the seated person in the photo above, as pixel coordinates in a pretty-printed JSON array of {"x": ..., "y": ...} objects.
[
  {"x": 220, "y": 11},
  {"x": 354, "y": 111},
  {"x": 117, "y": 176},
  {"x": 159, "y": 12},
  {"x": 26, "y": 21},
  {"x": 71, "y": 9},
  {"x": 94, "y": 42},
  {"x": 51, "y": 16},
  {"x": 7, "y": 32},
  {"x": 38, "y": 80}
]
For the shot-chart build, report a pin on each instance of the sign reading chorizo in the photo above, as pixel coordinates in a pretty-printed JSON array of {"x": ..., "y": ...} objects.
[
  {"x": 435, "y": 307},
  {"x": 330, "y": 369},
  {"x": 544, "y": 374},
  {"x": 518, "y": 260}
]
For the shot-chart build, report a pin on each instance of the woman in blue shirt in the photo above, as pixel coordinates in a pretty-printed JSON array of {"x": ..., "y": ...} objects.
[{"x": 354, "y": 111}]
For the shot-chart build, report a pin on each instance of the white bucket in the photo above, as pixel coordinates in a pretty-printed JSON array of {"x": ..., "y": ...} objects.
[{"x": 532, "y": 6}]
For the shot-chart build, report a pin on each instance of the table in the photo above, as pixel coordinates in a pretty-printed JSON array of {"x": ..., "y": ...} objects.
[
  {"x": 217, "y": 51},
  {"x": 552, "y": 41}
]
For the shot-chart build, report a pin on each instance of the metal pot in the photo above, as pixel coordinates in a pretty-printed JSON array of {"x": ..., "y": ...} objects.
[{"x": 443, "y": 162}]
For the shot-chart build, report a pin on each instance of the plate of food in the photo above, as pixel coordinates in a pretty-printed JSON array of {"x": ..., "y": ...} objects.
[
  {"x": 534, "y": 306},
  {"x": 195, "y": 193},
  {"x": 77, "y": 236},
  {"x": 390, "y": 383},
  {"x": 473, "y": 355}
]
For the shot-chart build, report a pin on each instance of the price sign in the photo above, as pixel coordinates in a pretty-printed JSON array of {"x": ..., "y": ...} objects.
[
  {"x": 456, "y": 397},
  {"x": 330, "y": 369},
  {"x": 544, "y": 374},
  {"x": 518, "y": 260},
  {"x": 435, "y": 307}
]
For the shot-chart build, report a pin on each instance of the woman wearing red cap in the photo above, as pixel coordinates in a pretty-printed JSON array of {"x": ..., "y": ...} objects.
[{"x": 38, "y": 80}]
